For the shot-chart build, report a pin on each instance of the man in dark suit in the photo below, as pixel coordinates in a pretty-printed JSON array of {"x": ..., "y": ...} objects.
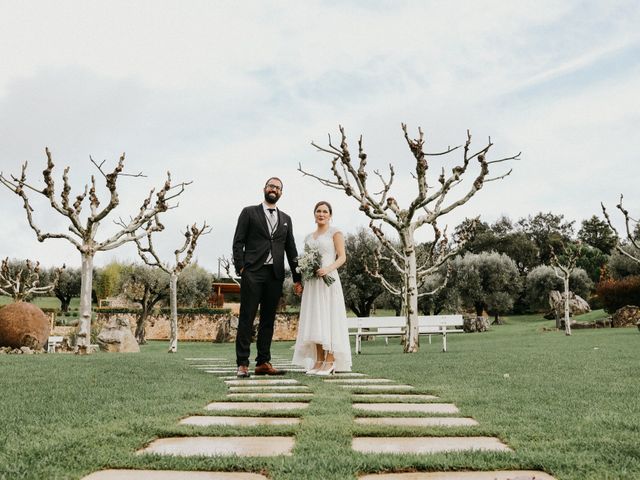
[{"x": 263, "y": 235}]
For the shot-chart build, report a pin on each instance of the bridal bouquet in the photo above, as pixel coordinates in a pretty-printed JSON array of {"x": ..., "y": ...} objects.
[{"x": 309, "y": 262}]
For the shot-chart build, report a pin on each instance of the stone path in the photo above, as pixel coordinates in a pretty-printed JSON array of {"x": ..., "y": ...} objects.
[{"x": 372, "y": 398}]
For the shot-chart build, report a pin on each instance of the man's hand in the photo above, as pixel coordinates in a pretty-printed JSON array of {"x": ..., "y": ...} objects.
[{"x": 297, "y": 288}]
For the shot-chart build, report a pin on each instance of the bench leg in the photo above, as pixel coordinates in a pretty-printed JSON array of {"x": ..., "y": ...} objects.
[{"x": 444, "y": 341}]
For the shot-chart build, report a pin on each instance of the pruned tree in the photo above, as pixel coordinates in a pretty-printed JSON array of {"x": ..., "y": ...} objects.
[
  {"x": 429, "y": 204},
  {"x": 82, "y": 234},
  {"x": 563, "y": 267},
  {"x": 21, "y": 280},
  {"x": 630, "y": 232},
  {"x": 150, "y": 257},
  {"x": 226, "y": 264}
]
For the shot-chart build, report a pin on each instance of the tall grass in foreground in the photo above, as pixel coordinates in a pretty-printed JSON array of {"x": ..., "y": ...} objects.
[{"x": 566, "y": 405}]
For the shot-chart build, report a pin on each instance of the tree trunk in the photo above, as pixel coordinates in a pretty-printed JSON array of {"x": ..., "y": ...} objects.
[
  {"x": 173, "y": 341},
  {"x": 84, "y": 332},
  {"x": 64, "y": 304},
  {"x": 140, "y": 326},
  {"x": 412, "y": 344},
  {"x": 567, "y": 319}
]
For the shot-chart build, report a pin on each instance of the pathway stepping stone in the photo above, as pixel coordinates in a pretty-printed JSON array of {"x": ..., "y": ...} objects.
[
  {"x": 218, "y": 446},
  {"x": 270, "y": 395},
  {"x": 495, "y": 475},
  {"x": 171, "y": 475},
  {"x": 262, "y": 406},
  {"x": 381, "y": 387},
  {"x": 207, "y": 420},
  {"x": 265, "y": 388},
  {"x": 407, "y": 407},
  {"x": 206, "y": 359},
  {"x": 358, "y": 381},
  {"x": 421, "y": 445},
  {"x": 266, "y": 381},
  {"x": 349, "y": 374},
  {"x": 417, "y": 421},
  {"x": 392, "y": 396}
]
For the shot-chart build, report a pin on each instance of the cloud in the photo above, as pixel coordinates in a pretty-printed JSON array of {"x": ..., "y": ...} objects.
[{"x": 227, "y": 94}]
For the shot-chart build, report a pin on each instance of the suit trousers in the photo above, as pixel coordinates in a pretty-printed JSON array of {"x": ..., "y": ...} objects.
[{"x": 262, "y": 289}]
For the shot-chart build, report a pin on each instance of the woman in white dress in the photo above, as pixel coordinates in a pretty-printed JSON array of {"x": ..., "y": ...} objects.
[{"x": 322, "y": 345}]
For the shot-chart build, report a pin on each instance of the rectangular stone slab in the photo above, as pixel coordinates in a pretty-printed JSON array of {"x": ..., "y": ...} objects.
[
  {"x": 418, "y": 421},
  {"x": 221, "y": 446},
  {"x": 171, "y": 475},
  {"x": 407, "y": 407},
  {"x": 495, "y": 475},
  {"x": 380, "y": 387},
  {"x": 208, "y": 420},
  {"x": 349, "y": 374},
  {"x": 358, "y": 381},
  {"x": 267, "y": 388},
  {"x": 419, "y": 445},
  {"x": 262, "y": 406},
  {"x": 266, "y": 381},
  {"x": 270, "y": 395},
  {"x": 392, "y": 396},
  {"x": 206, "y": 359}
]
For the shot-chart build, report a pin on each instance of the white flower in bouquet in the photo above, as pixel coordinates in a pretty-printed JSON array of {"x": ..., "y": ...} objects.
[{"x": 309, "y": 262}]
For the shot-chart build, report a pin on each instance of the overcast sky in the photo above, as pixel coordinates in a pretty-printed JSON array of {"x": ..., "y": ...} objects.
[{"x": 227, "y": 94}]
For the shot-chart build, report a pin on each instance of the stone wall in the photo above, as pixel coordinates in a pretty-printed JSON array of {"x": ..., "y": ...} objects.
[{"x": 202, "y": 327}]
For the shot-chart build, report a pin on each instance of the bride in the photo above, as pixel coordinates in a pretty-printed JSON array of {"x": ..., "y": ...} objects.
[{"x": 322, "y": 345}]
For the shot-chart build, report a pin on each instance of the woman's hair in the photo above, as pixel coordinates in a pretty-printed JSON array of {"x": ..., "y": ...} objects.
[{"x": 322, "y": 202}]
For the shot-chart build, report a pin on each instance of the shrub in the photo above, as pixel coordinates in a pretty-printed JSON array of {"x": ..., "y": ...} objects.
[{"x": 615, "y": 294}]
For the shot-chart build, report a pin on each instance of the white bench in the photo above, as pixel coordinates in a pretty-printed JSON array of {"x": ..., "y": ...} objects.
[
  {"x": 53, "y": 342},
  {"x": 396, "y": 326}
]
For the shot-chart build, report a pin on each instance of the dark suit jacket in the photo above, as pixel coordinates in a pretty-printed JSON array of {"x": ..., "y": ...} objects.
[{"x": 252, "y": 242}]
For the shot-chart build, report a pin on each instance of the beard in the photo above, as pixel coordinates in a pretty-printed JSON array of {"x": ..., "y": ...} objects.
[{"x": 271, "y": 197}]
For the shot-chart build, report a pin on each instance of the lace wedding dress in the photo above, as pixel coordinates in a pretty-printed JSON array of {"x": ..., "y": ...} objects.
[{"x": 323, "y": 318}]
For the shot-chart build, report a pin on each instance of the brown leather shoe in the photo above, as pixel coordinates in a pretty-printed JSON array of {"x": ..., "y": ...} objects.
[
  {"x": 267, "y": 369},
  {"x": 243, "y": 371}
]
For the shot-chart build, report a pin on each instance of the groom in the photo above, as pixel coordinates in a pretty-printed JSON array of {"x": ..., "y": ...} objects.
[{"x": 263, "y": 235}]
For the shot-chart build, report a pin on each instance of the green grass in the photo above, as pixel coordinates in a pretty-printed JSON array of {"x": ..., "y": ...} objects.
[
  {"x": 44, "y": 302},
  {"x": 568, "y": 406}
]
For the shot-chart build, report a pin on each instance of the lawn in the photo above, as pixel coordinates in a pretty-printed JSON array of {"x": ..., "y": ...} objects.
[{"x": 566, "y": 405}]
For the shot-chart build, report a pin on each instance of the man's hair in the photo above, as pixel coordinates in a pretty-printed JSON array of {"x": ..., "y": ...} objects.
[{"x": 273, "y": 178}]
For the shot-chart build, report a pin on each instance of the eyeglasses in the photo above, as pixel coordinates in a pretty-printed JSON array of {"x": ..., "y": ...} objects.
[{"x": 271, "y": 186}]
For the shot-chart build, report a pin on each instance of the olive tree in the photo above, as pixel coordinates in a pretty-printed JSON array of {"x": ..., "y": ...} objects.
[
  {"x": 486, "y": 281},
  {"x": 147, "y": 287},
  {"x": 542, "y": 279},
  {"x": 360, "y": 289}
]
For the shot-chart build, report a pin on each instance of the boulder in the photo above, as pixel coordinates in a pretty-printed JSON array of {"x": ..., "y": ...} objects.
[
  {"x": 627, "y": 316},
  {"x": 577, "y": 304},
  {"x": 116, "y": 336},
  {"x": 475, "y": 324},
  {"x": 23, "y": 324}
]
